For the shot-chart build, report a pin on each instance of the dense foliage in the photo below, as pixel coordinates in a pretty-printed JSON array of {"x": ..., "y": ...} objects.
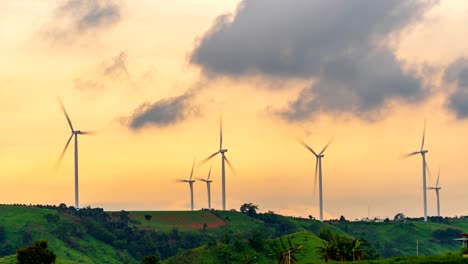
[{"x": 38, "y": 253}]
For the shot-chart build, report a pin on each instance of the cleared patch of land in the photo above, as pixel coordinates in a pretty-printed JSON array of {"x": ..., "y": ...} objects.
[{"x": 183, "y": 220}]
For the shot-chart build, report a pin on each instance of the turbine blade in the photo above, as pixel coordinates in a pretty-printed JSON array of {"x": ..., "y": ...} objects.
[
  {"x": 208, "y": 158},
  {"x": 326, "y": 146},
  {"x": 306, "y": 146},
  {"x": 404, "y": 156},
  {"x": 428, "y": 171},
  {"x": 220, "y": 131},
  {"x": 92, "y": 133},
  {"x": 181, "y": 180},
  {"x": 66, "y": 114},
  {"x": 64, "y": 150},
  {"x": 191, "y": 173},
  {"x": 200, "y": 179},
  {"x": 230, "y": 165},
  {"x": 438, "y": 176},
  {"x": 424, "y": 135}
]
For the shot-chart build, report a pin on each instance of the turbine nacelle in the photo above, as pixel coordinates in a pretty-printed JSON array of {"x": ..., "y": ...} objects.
[{"x": 223, "y": 150}]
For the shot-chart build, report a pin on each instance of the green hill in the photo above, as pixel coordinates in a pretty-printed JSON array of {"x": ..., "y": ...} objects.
[
  {"x": 90, "y": 235},
  {"x": 67, "y": 238}
]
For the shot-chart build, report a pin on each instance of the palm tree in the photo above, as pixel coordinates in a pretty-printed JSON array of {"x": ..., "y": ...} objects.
[{"x": 286, "y": 254}]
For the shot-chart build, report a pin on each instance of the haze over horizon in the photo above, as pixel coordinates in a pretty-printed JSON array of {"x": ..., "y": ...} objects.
[{"x": 152, "y": 77}]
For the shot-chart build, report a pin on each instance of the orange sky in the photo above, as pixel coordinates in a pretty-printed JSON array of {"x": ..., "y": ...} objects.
[{"x": 135, "y": 170}]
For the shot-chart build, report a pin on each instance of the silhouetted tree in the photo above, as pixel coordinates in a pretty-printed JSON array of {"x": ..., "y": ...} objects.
[
  {"x": 249, "y": 209},
  {"x": 399, "y": 217},
  {"x": 38, "y": 253},
  {"x": 148, "y": 217}
]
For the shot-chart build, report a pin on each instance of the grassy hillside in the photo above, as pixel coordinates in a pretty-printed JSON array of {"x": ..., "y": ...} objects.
[
  {"x": 93, "y": 236},
  {"x": 165, "y": 221},
  {"x": 24, "y": 224},
  {"x": 399, "y": 239},
  {"x": 239, "y": 251}
]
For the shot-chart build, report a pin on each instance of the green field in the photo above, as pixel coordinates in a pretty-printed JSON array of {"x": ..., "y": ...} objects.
[{"x": 183, "y": 220}]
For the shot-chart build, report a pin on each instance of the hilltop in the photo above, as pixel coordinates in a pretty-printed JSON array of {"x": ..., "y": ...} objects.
[{"x": 92, "y": 235}]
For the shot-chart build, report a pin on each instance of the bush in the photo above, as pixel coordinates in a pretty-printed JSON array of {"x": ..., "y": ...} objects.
[{"x": 38, "y": 253}]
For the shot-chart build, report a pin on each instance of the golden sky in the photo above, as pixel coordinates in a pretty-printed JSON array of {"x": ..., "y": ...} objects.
[{"x": 107, "y": 58}]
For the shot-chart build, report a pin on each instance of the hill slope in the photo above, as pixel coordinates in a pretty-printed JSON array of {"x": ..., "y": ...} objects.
[{"x": 94, "y": 236}]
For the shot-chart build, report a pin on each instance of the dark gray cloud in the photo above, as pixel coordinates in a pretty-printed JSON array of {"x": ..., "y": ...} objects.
[
  {"x": 342, "y": 45},
  {"x": 162, "y": 113},
  {"x": 457, "y": 74},
  {"x": 76, "y": 18}
]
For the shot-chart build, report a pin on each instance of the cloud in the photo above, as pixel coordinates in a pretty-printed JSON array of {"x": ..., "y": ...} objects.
[
  {"x": 87, "y": 85},
  {"x": 105, "y": 72},
  {"x": 76, "y": 18},
  {"x": 118, "y": 66},
  {"x": 162, "y": 113},
  {"x": 343, "y": 46},
  {"x": 457, "y": 73}
]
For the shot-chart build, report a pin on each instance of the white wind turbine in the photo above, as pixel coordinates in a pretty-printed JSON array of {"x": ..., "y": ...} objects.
[
  {"x": 223, "y": 159},
  {"x": 190, "y": 182},
  {"x": 318, "y": 171},
  {"x": 74, "y": 133},
  {"x": 208, "y": 186},
  {"x": 423, "y": 152},
  {"x": 437, "y": 189}
]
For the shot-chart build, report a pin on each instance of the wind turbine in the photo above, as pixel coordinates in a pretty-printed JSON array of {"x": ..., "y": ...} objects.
[
  {"x": 223, "y": 159},
  {"x": 190, "y": 182},
  {"x": 74, "y": 133},
  {"x": 423, "y": 152},
  {"x": 318, "y": 171},
  {"x": 208, "y": 187},
  {"x": 436, "y": 189}
]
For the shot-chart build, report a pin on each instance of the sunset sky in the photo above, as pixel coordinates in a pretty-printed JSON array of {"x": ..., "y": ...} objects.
[{"x": 152, "y": 77}]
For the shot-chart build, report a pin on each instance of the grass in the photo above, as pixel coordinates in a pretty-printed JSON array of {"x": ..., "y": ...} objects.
[
  {"x": 400, "y": 237},
  {"x": 309, "y": 243},
  {"x": 165, "y": 221},
  {"x": 18, "y": 220}
]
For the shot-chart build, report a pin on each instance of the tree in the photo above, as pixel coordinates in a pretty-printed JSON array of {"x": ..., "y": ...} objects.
[
  {"x": 148, "y": 217},
  {"x": 399, "y": 217},
  {"x": 150, "y": 259},
  {"x": 342, "y": 219},
  {"x": 286, "y": 253},
  {"x": 37, "y": 253},
  {"x": 249, "y": 209}
]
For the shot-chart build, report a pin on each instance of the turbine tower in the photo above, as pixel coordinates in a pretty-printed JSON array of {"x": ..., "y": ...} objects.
[
  {"x": 318, "y": 171},
  {"x": 223, "y": 159},
  {"x": 423, "y": 152},
  {"x": 190, "y": 182},
  {"x": 208, "y": 187},
  {"x": 74, "y": 133},
  {"x": 437, "y": 189}
]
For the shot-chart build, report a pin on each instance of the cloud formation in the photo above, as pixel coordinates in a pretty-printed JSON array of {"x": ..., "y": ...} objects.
[
  {"x": 75, "y": 18},
  {"x": 457, "y": 74},
  {"x": 162, "y": 113},
  {"x": 342, "y": 45},
  {"x": 118, "y": 66}
]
